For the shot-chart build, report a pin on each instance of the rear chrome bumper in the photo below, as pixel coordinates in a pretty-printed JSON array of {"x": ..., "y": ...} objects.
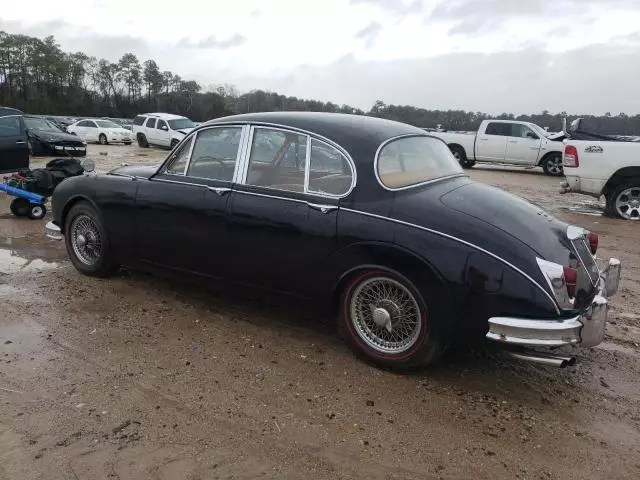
[
  {"x": 586, "y": 329},
  {"x": 53, "y": 231}
]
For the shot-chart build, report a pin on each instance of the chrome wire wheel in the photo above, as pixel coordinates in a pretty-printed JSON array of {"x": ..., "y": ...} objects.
[
  {"x": 86, "y": 240},
  {"x": 628, "y": 203},
  {"x": 385, "y": 315}
]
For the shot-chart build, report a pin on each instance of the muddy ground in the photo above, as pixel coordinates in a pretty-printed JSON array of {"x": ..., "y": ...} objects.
[{"x": 138, "y": 377}]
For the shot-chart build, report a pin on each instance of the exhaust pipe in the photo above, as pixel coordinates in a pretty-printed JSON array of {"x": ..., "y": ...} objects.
[{"x": 545, "y": 359}]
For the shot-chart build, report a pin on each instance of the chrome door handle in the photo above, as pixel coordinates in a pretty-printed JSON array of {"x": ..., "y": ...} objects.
[
  {"x": 322, "y": 208},
  {"x": 20, "y": 142},
  {"x": 219, "y": 190},
  {"x": 484, "y": 139},
  {"x": 513, "y": 141}
]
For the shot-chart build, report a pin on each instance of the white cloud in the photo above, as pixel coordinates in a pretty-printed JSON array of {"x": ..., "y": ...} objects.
[{"x": 278, "y": 41}]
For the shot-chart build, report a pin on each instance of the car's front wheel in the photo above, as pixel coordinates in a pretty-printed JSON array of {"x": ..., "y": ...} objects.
[
  {"x": 87, "y": 242},
  {"x": 102, "y": 139},
  {"x": 385, "y": 320}
]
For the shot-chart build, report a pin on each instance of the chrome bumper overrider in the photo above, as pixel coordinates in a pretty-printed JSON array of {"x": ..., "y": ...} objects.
[
  {"x": 586, "y": 329},
  {"x": 53, "y": 231}
]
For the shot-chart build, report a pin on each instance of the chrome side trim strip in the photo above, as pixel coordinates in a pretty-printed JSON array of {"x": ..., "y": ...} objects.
[
  {"x": 180, "y": 183},
  {"x": 265, "y": 195},
  {"x": 464, "y": 242}
]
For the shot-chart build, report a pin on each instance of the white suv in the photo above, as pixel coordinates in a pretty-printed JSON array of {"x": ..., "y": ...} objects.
[{"x": 161, "y": 129}]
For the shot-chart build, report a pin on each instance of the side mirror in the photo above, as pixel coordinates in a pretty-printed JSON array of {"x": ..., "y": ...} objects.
[
  {"x": 164, "y": 127},
  {"x": 88, "y": 165}
]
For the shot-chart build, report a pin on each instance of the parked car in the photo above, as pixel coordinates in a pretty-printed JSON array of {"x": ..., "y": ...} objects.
[
  {"x": 161, "y": 129},
  {"x": 411, "y": 253},
  {"x": 600, "y": 165},
  {"x": 14, "y": 144},
  {"x": 507, "y": 142},
  {"x": 46, "y": 138},
  {"x": 100, "y": 131},
  {"x": 125, "y": 123}
]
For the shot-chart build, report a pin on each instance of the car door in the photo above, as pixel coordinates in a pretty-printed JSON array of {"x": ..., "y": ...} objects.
[
  {"x": 162, "y": 133},
  {"x": 283, "y": 211},
  {"x": 79, "y": 129},
  {"x": 91, "y": 130},
  {"x": 523, "y": 145},
  {"x": 491, "y": 145},
  {"x": 14, "y": 149},
  {"x": 150, "y": 130},
  {"x": 181, "y": 218}
]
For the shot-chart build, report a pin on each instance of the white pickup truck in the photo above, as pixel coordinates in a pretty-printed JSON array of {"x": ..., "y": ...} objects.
[
  {"x": 507, "y": 142},
  {"x": 599, "y": 165}
]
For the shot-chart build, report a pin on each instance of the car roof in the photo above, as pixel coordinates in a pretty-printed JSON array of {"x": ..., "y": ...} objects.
[
  {"x": 360, "y": 135},
  {"x": 7, "y": 111},
  {"x": 163, "y": 116}
]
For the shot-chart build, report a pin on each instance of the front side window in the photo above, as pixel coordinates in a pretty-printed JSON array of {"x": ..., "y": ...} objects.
[
  {"x": 91, "y": 124},
  {"x": 409, "y": 161},
  {"x": 215, "y": 153},
  {"x": 522, "y": 131},
  {"x": 83, "y": 123},
  {"x": 160, "y": 124},
  {"x": 151, "y": 123},
  {"x": 9, "y": 126},
  {"x": 179, "y": 159},
  {"x": 277, "y": 160},
  {"x": 107, "y": 124},
  {"x": 329, "y": 171},
  {"x": 498, "y": 128}
]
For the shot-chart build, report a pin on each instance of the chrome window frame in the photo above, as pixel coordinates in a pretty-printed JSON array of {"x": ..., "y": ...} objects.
[
  {"x": 427, "y": 182},
  {"x": 164, "y": 171},
  {"x": 22, "y": 127},
  {"x": 242, "y": 179}
]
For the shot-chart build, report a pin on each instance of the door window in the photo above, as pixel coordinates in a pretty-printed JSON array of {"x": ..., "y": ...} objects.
[
  {"x": 84, "y": 123},
  {"x": 151, "y": 123},
  {"x": 179, "y": 161},
  {"x": 329, "y": 171},
  {"x": 495, "y": 128},
  {"x": 160, "y": 124},
  {"x": 277, "y": 160},
  {"x": 215, "y": 153},
  {"x": 138, "y": 120},
  {"x": 522, "y": 131},
  {"x": 91, "y": 124},
  {"x": 9, "y": 126}
]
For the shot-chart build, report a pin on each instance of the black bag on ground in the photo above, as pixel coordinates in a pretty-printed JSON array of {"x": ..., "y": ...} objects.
[{"x": 43, "y": 181}]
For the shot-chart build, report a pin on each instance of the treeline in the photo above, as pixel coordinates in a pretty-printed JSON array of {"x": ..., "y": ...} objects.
[{"x": 38, "y": 77}]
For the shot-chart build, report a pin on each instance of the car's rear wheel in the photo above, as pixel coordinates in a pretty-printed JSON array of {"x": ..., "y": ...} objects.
[
  {"x": 461, "y": 156},
  {"x": 624, "y": 200},
  {"x": 20, "y": 207},
  {"x": 552, "y": 165},
  {"x": 87, "y": 242},
  {"x": 102, "y": 139},
  {"x": 142, "y": 141},
  {"x": 385, "y": 320}
]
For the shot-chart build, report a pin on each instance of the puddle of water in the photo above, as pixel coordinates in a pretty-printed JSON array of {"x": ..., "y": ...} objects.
[
  {"x": 592, "y": 209},
  {"x": 18, "y": 254}
]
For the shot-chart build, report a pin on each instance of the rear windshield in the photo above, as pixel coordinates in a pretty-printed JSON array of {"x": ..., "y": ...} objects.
[{"x": 410, "y": 161}]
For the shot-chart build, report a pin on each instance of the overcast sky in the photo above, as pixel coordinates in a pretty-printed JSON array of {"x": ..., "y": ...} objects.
[{"x": 518, "y": 56}]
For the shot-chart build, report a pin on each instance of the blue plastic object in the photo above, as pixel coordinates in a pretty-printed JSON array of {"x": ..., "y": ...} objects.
[{"x": 19, "y": 192}]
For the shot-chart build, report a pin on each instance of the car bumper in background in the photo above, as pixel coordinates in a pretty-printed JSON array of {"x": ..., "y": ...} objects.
[
  {"x": 586, "y": 329},
  {"x": 587, "y": 186},
  {"x": 53, "y": 231}
]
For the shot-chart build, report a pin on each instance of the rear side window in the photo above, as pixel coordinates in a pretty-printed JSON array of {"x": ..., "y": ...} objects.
[
  {"x": 151, "y": 123},
  {"x": 9, "y": 126},
  {"x": 139, "y": 120},
  {"x": 495, "y": 128},
  {"x": 409, "y": 161}
]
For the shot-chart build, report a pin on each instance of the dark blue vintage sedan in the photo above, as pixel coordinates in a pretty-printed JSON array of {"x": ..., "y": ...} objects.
[{"x": 372, "y": 217}]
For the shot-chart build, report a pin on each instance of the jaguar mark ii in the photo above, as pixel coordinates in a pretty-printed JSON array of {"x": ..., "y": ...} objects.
[{"x": 372, "y": 218}]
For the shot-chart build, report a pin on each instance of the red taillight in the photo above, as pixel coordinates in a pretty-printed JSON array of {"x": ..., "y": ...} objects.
[
  {"x": 571, "y": 280},
  {"x": 593, "y": 242},
  {"x": 571, "y": 156}
]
